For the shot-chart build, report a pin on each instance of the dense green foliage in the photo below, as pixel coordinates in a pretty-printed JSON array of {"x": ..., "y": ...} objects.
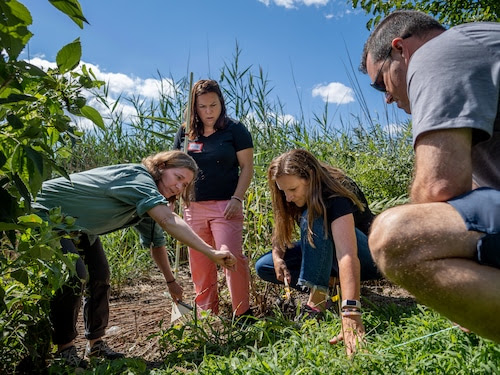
[
  {"x": 35, "y": 131},
  {"x": 448, "y": 12}
]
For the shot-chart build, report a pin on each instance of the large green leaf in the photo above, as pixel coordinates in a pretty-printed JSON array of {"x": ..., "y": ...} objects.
[
  {"x": 13, "y": 98},
  {"x": 36, "y": 157},
  {"x": 23, "y": 190},
  {"x": 7, "y": 208},
  {"x": 69, "y": 56},
  {"x": 15, "y": 122},
  {"x": 41, "y": 252},
  {"x": 30, "y": 69},
  {"x": 36, "y": 169},
  {"x": 14, "y": 33},
  {"x": 20, "y": 275},
  {"x": 92, "y": 115},
  {"x": 72, "y": 9},
  {"x": 3, "y": 159},
  {"x": 10, "y": 226}
]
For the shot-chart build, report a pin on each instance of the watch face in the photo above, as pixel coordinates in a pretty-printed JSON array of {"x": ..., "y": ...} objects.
[{"x": 351, "y": 303}]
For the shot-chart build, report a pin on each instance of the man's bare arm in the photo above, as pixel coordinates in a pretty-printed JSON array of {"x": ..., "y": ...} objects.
[{"x": 443, "y": 167}]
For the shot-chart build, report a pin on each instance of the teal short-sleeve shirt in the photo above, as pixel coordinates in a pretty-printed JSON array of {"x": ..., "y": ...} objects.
[{"x": 106, "y": 199}]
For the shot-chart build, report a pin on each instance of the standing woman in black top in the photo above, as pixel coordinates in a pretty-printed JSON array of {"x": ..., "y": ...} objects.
[{"x": 223, "y": 150}]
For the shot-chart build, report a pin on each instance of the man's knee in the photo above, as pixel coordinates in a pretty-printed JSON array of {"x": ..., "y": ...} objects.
[{"x": 389, "y": 239}]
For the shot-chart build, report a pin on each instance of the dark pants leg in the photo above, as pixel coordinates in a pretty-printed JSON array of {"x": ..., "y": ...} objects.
[
  {"x": 92, "y": 267},
  {"x": 65, "y": 305},
  {"x": 97, "y": 291}
]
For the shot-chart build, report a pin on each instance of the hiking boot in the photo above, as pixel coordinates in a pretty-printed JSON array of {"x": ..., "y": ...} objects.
[
  {"x": 70, "y": 357},
  {"x": 101, "y": 350}
]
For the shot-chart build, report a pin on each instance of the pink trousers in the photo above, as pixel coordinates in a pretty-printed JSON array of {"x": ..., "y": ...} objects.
[{"x": 207, "y": 220}]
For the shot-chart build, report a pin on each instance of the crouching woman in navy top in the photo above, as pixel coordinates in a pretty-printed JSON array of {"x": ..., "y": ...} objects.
[{"x": 334, "y": 218}]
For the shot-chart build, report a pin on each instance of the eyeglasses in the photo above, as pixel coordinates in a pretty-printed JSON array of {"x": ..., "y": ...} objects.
[{"x": 381, "y": 86}]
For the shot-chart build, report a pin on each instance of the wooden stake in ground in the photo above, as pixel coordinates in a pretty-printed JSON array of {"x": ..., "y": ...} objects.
[{"x": 180, "y": 308}]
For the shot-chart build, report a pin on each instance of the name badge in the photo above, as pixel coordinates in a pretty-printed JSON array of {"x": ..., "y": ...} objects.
[{"x": 195, "y": 146}]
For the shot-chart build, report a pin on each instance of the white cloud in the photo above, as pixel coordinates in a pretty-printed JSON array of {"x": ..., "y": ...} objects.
[
  {"x": 117, "y": 84},
  {"x": 394, "y": 128},
  {"x": 318, "y": 3},
  {"x": 42, "y": 63},
  {"x": 290, "y": 4},
  {"x": 337, "y": 9},
  {"x": 334, "y": 92}
]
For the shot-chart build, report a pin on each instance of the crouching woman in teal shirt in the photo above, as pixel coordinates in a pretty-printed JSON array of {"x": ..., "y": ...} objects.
[{"x": 104, "y": 200}]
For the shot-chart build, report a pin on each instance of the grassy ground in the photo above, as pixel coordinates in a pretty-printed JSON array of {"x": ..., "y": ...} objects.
[{"x": 403, "y": 337}]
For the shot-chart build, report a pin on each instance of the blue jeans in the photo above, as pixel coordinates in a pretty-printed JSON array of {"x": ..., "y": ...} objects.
[{"x": 312, "y": 266}]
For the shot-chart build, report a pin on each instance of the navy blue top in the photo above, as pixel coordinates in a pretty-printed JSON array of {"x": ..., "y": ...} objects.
[
  {"x": 340, "y": 206},
  {"x": 216, "y": 158}
]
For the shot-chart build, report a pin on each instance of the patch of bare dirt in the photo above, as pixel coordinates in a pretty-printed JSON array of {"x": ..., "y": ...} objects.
[{"x": 136, "y": 311}]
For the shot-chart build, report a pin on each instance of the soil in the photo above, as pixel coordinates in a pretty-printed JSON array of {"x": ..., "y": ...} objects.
[
  {"x": 138, "y": 309},
  {"x": 136, "y": 312}
]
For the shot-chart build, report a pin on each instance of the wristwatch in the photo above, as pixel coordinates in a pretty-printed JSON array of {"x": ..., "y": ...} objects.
[{"x": 351, "y": 303}]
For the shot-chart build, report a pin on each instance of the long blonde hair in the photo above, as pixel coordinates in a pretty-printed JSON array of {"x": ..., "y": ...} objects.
[
  {"x": 324, "y": 181},
  {"x": 157, "y": 163}
]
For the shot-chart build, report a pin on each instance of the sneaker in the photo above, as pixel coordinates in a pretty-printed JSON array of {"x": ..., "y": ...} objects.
[
  {"x": 101, "y": 350},
  {"x": 246, "y": 318},
  {"x": 309, "y": 312},
  {"x": 70, "y": 357}
]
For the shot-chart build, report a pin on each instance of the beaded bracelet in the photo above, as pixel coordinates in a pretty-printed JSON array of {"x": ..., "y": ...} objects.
[
  {"x": 237, "y": 198},
  {"x": 351, "y": 313},
  {"x": 350, "y": 309}
]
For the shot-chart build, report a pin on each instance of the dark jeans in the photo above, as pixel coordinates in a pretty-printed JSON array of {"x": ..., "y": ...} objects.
[{"x": 92, "y": 276}]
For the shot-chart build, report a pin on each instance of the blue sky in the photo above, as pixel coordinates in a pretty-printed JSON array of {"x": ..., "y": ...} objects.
[{"x": 303, "y": 46}]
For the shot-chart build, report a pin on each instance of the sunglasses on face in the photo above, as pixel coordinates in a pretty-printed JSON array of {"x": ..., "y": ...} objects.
[
  {"x": 375, "y": 84},
  {"x": 381, "y": 86}
]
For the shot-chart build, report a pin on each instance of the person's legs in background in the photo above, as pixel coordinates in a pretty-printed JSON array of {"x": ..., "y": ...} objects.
[
  {"x": 228, "y": 235},
  {"x": 203, "y": 270},
  {"x": 96, "y": 299}
]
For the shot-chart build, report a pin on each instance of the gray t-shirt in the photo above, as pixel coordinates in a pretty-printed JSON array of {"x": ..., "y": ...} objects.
[
  {"x": 106, "y": 199},
  {"x": 454, "y": 82}
]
